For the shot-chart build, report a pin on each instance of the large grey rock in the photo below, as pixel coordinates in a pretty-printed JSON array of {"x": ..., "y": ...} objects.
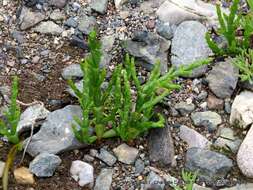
[
  {"x": 29, "y": 19},
  {"x": 149, "y": 48},
  {"x": 48, "y": 27},
  {"x": 56, "y": 134},
  {"x": 87, "y": 24},
  {"x": 72, "y": 71},
  {"x": 211, "y": 166},
  {"x": 126, "y": 154},
  {"x": 177, "y": 11},
  {"x": 99, "y": 6},
  {"x": 104, "y": 180},
  {"x": 189, "y": 45},
  {"x": 161, "y": 148},
  {"x": 245, "y": 155},
  {"x": 207, "y": 119},
  {"x": 222, "y": 79},
  {"x": 83, "y": 173},
  {"x": 29, "y": 117},
  {"x": 193, "y": 138},
  {"x": 44, "y": 164},
  {"x": 242, "y": 109}
]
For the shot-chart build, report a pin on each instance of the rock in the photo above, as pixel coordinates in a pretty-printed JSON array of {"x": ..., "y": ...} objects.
[
  {"x": 148, "y": 48},
  {"x": 193, "y": 138},
  {"x": 23, "y": 176},
  {"x": 79, "y": 42},
  {"x": 184, "y": 108},
  {"x": 44, "y": 165},
  {"x": 2, "y": 165},
  {"x": 57, "y": 15},
  {"x": 226, "y": 133},
  {"x": 177, "y": 11},
  {"x": 139, "y": 166},
  {"x": 99, "y": 6},
  {"x": 119, "y": 3},
  {"x": 104, "y": 180},
  {"x": 161, "y": 148},
  {"x": 29, "y": 19},
  {"x": 198, "y": 187},
  {"x": 242, "y": 110},
  {"x": 29, "y": 117},
  {"x": 210, "y": 165},
  {"x": 58, "y": 3},
  {"x": 126, "y": 154},
  {"x": 71, "y": 22},
  {"x": 48, "y": 27},
  {"x": 19, "y": 36},
  {"x": 245, "y": 155},
  {"x": 154, "y": 181},
  {"x": 72, "y": 71},
  {"x": 87, "y": 24},
  {"x": 165, "y": 30},
  {"x": 202, "y": 95},
  {"x": 107, "y": 157},
  {"x": 57, "y": 132},
  {"x": 108, "y": 42},
  {"x": 222, "y": 79},
  {"x": 232, "y": 145},
  {"x": 214, "y": 103},
  {"x": 207, "y": 119},
  {"x": 247, "y": 186},
  {"x": 189, "y": 45},
  {"x": 83, "y": 173},
  {"x": 246, "y": 85}
]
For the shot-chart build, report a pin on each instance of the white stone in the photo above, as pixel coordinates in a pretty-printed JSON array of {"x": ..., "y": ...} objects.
[
  {"x": 126, "y": 154},
  {"x": 242, "y": 109},
  {"x": 193, "y": 138},
  {"x": 2, "y": 164},
  {"x": 119, "y": 3},
  {"x": 245, "y": 155},
  {"x": 82, "y": 172}
]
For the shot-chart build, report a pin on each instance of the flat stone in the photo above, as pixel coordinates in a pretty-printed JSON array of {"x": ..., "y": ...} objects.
[
  {"x": 104, "y": 180},
  {"x": 44, "y": 165},
  {"x": 214, "y": 103},
  {"x": 210, "y": 165},
  {"x": 184, "y": 108},
  {"x": 154, "y": 181},
  {"x": 126, "y": 154},
  {"x": 29, "y": 19},
  {"x": 57, "y": 132},
  {"x": 107, "y": 157},
  {"x": 48, "y": 27},
  {"x": 198, "y": 187},
  {"x": 166, "y": 30},
  {"x": 222, "y": 79},
  {"x": 23, "y": 176},
  {"x": 226, "y": 133},
  {"x": 193, "y": 138},
  {"x": 189, "y": 45},
  {"x": 108, "y": 42},
  {"x": 232, "y": 145},
  {"x": 71, "y": 22},
  {"x": 83, "y": 173},
  {"x": 139, "y": 166},
  {"x": 72, "y": 71},
  {"x": 161, "y": 148},
  {"x": 207, "y": 119},
  {"x": 246, "y": 186},
  {"x": 29, "y": 117},
  {"x": 99, "y": 6},
  {"x": 242, "y": 110},
  {"x": 2, "y": 165},
  {"x": 245, "y": 155},
  {"x": 57, "y": 15}
]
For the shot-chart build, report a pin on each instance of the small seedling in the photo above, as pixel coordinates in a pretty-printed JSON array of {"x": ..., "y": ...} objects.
[{"x": 189, "y": 179}]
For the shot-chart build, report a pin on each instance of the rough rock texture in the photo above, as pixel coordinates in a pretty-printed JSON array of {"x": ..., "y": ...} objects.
[
  {"x": 57, "y": 132},
  {"x": 126, "y": 154},
  {"x": 193, "y": 138},
  {"x": 44, "y": 164},
  {"x": 28, "y": 18},
  {"x": 48, "y": 27},
  {"x": 242, "y": 109},
  {"x": 72, "y": 71},
  {"x": 104, "y": 180},
  {"x": 107, "y": 157},
  {"x": 23, "y": 176},
  {"x": 83, "y": 173},
  {"x": 207, "y": 119},
  {"x": 161, "y": 148},
  {"x": 189, "y": 45},
  {"x": 29, "y": 117},
  {"x": 245, "y": 155},
  {"x": 210, "y": 165},
  {"x": 87, "y": 24},
  {"x": 246, "y": 186},
  {"x": 222, "y": 79},
  {"x": 184, "y": 108},
  {"x": 99, "y": 6},
  {"x": 58, "y": 3}
]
